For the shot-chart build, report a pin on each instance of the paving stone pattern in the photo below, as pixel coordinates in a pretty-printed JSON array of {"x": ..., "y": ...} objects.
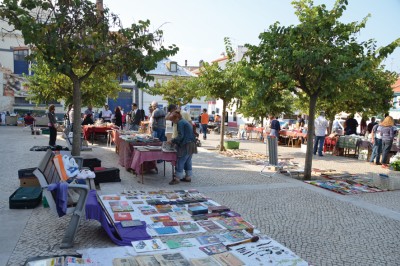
[{"x": 322, "y": 227}]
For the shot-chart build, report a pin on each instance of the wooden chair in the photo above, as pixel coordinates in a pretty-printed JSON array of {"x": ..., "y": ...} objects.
[{"x": 47, "y": 174}]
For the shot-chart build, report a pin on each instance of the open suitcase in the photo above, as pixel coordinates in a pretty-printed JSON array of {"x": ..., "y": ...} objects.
[{"x": 26, "y": 198}]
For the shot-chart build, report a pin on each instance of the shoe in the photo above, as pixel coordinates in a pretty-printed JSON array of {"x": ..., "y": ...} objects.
[
  {"x": 174, "y": 181},
  {"x": 378, "y": 163},
  {"x": 321, "y": 155},
  {"x": 186, "y": 179},
  {"x": 385, "y": 166}
]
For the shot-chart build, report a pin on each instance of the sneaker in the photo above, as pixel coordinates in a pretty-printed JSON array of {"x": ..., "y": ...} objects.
[{"x": 174, "y": 182}]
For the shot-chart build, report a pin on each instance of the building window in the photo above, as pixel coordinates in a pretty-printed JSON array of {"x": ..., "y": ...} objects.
[
  {"x": 172, "y": 66},
  {"x": 234, "y": 117}
]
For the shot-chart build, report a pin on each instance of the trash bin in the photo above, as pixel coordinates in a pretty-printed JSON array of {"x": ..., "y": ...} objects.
[{"x": 230, "y": 144}]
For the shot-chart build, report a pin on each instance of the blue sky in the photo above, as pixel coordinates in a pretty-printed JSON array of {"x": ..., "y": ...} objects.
[{"x": 198, "y": 28}]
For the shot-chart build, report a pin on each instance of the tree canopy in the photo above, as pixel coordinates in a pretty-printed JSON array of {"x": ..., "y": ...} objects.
[
  {"x": 178, "y": 90},
  {"x": 317, "y": 58},
  {"x": 73, "y": 39}
]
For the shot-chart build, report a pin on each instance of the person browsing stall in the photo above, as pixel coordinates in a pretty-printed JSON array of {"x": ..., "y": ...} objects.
[
  {"x": 377, "y": 144},
  {"x": 321, "y": 125},
  {"x": 185, "y": 144},
  {"x": 185, "y": 115},
  {"x": 275, "y": 127},
  {"x": 135, "y": 117},
  {"x": 388, "y": 132}
]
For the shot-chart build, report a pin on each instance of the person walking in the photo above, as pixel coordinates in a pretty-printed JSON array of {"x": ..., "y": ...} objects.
[
  {"x": 106, "y": 114},
  {"x": 377, "y": 144},
  {"x": 388, "y": 131},
  {"x": 204, "y": 118},
  {"x": 186, "y": 146},
  {"x": 321, "y": 125},
  {"x": 52, "y": 124}
]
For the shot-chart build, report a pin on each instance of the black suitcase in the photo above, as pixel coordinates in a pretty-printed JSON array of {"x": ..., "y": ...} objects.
[
  {"x": 104, "y": 175},
  {"x": 26, "y": 198},
  {"x": 91, "y": 163}
]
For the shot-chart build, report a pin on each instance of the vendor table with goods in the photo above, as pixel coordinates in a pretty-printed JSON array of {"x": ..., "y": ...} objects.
[
  {"x": 179, "y": 228},
  {"x": 126, "y": 142},
  {"x": 90, "y": 131},
  {"x": 292, "y": 137}
]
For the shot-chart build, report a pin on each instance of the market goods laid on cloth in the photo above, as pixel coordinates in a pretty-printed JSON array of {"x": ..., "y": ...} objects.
[{"x": 181, "y": 227}]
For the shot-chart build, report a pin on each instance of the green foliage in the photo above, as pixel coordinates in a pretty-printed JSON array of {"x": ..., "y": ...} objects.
[
  {"x": 395, "y": 165},
  {"x": 320, "y": 59},
  {"x": 47, "y": 86},
  {"x": 178, "y": 90},
  {"x": 74, "y": 39}
]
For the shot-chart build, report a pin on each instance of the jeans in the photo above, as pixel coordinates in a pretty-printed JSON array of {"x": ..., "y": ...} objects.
[
  {"x": 184, "y": 163},
  {"x": 319, "y": 143},
  {"x": 386, "y": 147},
  {"x": 204, "y": 130},
  {"x": 160, "y": 134},
  {"x": 376, "y": 151}
]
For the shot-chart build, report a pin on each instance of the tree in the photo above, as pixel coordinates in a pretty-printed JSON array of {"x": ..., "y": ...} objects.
[
  {"x": 221, "y": 83},
  {"x": 316, "y": 58},
  {"x": 178, "y": 90},
  {"x": 262, "y": 96},
  {"x": 45, "y": 86},
  {"x": 73, "y": 39}
]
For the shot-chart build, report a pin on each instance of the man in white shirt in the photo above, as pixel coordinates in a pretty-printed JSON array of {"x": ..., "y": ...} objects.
[
  {"x": 106, "y": 114},
  {"x": 321, "y": 125}
]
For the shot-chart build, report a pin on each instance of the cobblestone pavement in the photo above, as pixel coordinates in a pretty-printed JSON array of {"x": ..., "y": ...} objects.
[{"x": 322, "y": 227}]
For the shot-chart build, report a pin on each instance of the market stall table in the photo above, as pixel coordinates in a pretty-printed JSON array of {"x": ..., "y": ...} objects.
[
  {"x": 141, "y": 156},
  {"x": 89, "y": 131}
]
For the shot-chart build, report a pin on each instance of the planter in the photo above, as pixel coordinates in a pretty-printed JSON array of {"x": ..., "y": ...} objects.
[{"x": 231, "y": 144}]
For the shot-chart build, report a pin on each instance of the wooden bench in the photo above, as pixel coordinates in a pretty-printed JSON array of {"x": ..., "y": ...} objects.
[{"x": 47, "y": 175}]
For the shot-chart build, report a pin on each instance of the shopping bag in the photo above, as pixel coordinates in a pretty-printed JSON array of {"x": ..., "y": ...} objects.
[
  {"x": 59, "y": 164},
  {"x": 70, "y": 165}
]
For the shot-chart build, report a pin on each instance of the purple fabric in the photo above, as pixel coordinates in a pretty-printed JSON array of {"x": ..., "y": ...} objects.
[
  {"x": 61, "y": 189},
  {"x": 128, "y": 234}
]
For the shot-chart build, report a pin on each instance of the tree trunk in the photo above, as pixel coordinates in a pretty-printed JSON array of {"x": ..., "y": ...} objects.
[
  {"x": 77, "y": 101},
  {"x": 221, "y": 142},
  {"x": 310, "y": 137}
]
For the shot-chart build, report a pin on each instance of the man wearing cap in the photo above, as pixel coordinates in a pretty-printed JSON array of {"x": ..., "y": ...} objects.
[
  {"x": 321, "y": 125},
  {"x": 185, "y": 115}
]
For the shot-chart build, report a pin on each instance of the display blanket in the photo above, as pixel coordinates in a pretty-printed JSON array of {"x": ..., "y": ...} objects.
[
  {"x": 219, "y": 238},
  {"x": 344, "y": 187}
]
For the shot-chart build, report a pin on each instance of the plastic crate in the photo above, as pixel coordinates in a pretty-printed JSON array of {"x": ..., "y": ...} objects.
[{"x": 231, "y": 144}]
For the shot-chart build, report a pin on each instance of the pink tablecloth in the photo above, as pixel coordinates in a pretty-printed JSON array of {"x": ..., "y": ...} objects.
[
  {"x": 141, "y": 157},
  {"x": 126, "y": 151}
]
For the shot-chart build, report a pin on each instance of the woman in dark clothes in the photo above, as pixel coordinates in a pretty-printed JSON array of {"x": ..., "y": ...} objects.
[
  {"x": 118, "y": 117},
  {"x": 52, "y": 125}
]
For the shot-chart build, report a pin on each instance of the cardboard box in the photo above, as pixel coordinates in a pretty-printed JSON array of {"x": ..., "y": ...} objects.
[{"x": 27, "y": 178}]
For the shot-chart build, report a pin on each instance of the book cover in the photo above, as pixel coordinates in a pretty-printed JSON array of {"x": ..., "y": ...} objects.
[
  {"x": 164, "y": 218},
  {"x": 111, "y": 197},
  {"x": 197, "y": 210},
  {"x": 209, "y": 225},
  {"x": 236, "y": 236},
  {"x": 213, "y": 249},
  {"x": 148, "y": 245},
  {"x": 232, "y": 223},
  {"x": 120, "y": 206},
  {"x": 207, "y": 261},
  {"x": 130, "y": 261},
  {"x": 131, "y": 223},
  {"x": 209, "y": 239},
  {"x": 122, "y": 216},
  {"x": 170, "y": 223},
  {"x": 166, "y": 230},
  {"x": 189, "y": 227},
  {"x": 218, "y": 209},
  {"x": 228, "y": 259},
  {"x": 172, "y": 259},
  {"x": 179, "y": 243}
]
